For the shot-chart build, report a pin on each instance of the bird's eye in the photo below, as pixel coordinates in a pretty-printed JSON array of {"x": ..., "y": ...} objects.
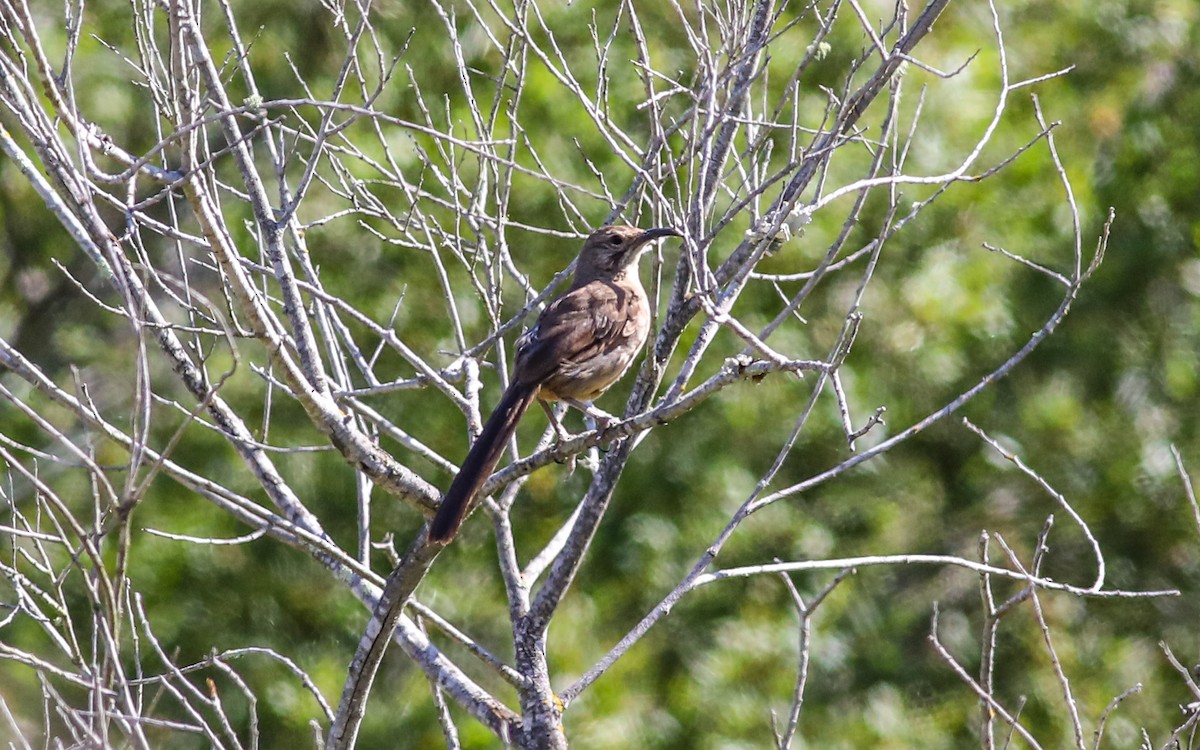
[{"x": 614, "y": 240}]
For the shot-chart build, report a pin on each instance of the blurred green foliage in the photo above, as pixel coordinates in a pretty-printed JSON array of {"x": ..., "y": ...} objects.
[{"x": 1095, "y": 410}]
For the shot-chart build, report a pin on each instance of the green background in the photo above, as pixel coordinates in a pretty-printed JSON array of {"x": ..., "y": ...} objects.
[{"x": 1095, "y": 410}]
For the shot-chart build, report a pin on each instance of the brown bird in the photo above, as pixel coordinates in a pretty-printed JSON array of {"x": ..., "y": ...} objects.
[{"x": 581, "y": 344}]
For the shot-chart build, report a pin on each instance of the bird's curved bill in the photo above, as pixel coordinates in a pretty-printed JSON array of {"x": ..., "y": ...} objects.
[{"x": 658, "y": 232}]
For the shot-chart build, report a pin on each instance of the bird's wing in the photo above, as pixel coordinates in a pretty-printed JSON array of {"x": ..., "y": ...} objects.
[{"x": 583, "y": 323}]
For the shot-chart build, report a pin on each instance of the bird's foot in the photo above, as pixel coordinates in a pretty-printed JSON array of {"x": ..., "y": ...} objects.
[{"x": 569, "y": 463}]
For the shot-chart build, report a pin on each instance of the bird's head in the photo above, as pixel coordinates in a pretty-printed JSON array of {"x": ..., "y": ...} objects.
[{"x": 610, "y": 250}]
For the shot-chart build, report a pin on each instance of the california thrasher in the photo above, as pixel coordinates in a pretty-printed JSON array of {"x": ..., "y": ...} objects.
[{"x": 581, "y": 344}]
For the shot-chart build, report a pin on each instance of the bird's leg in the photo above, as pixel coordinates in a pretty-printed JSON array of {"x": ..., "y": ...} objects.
[
  {"x": 595, "y": 418},
  {"x": 552, "y": 413},
  {"x": 555, "y": 418}
]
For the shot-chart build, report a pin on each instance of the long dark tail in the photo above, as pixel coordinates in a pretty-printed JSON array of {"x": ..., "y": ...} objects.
[{"x": 480, "y": 461}]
